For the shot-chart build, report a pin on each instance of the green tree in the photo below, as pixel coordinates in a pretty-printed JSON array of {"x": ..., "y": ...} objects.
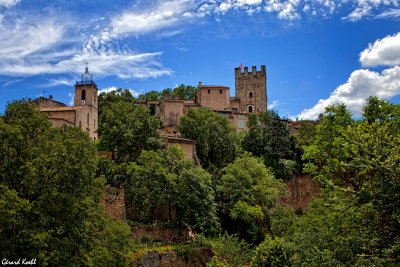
[
  {"x": 358, "y": 164},
  {"x": 248, "y": 180},
  {"x": 248, "y": 221},
  {"x": 184, "y": 92},
  {"x": 325, "y": 151},
  {"x": 106, "y": 99},
  {"x": 129, "y": 129},
  {"x": 272, "y": 252},
  {"x": 282, "y": 221},
  {"x": 50, "y": 194},
  {"x": 163, "y": 181},
  {"x": 213, "y": 134},
  {"x": 151, "y": 95},
  {"x": 232, "y": 251},
  {"x": 307, "y": 134},
  {"x": 268, "y": 138}
]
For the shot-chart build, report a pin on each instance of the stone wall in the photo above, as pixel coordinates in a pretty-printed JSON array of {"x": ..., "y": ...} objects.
[
  {"x": 160, "y": 233},
  {"x": 114, "y": 203},
  {"x": 301, "y": 189},
  {"x": 200, "y": 257}
]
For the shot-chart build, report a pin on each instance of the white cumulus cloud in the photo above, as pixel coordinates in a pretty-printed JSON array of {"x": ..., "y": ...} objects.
[
  {"x": 360, "y": 85},
  {"x": 363, "y": 82},
  {"x": 384, "y": 51}
]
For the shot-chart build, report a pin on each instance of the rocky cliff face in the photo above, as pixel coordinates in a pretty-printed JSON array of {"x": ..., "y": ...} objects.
[{"x": 301, "y": 189}]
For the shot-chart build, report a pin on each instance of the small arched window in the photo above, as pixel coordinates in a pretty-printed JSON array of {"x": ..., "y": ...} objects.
[
  {"x": 83, "y": 95},
  {"x": 250, "y": 109}
]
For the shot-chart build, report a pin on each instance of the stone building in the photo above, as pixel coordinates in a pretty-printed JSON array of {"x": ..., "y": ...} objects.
[
  {"x": 251, "y": 89},
  {"x": 251, "y": 97},
  {"x": 83, "y": 114}
]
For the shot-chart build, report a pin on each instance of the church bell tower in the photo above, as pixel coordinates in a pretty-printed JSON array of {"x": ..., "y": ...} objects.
[{"x": 86, "y": 90}]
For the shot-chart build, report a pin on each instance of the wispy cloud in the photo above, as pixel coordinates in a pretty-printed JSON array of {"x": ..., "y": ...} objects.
[
  {"x": 71, "y": 97},
  {"x": 31, "y": 44},
  {"x": 12, "y": 82},
  {"x": 274, "y": 104},
  {"x": 388, "y": 14},
  {"x": 57, "y": 82},
  {"x": 9, "y": 3}
]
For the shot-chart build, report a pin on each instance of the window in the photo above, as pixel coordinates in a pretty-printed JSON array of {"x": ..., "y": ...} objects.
[
  {"x": 240, "y": 124},
  {"x": 83, "y": 95},
  {"x": 88, "y": 119},
  {"x": 220, "y": 92},
  {"x": 234, "y": 110},
  {"x": 250, "y": 93},
  {"x": 209, "y": 91},
  {"x": 80, "y": 124},
  {"x": 250, "y": 109},
  {"x": 241, "y": 116}
]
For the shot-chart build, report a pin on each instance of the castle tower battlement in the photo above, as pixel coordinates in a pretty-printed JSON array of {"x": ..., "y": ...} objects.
[{"x": 251, "y": 89}]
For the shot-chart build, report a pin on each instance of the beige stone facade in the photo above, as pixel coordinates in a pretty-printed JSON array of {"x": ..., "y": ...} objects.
[
  {"x": 83, "y": 114},
  {"x": 251, "y": 97},
  {"x": 251, "y": 89}
]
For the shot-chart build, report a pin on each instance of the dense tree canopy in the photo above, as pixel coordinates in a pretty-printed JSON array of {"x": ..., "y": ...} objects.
[
  {"x": 182, "y": 92},
  {"x": 163, "y": 182},
  {"x": 213, "y": 134},
  {"x": 49, "y": 193},
  {"x": 269, "y": 138},
  {"x": 129, "y": 129},
  {"x": 358, "y": 162},
  {"x": 106, "y": 99}
]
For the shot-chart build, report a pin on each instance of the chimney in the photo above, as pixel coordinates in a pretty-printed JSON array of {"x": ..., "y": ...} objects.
[
  {"x": 246, "y": 70},
  {"x": 297, "y": 119},
  {"x": 50, "y": 97},
  {"x": 199, "y": 83},
  {"x": 254, "y": 70}
]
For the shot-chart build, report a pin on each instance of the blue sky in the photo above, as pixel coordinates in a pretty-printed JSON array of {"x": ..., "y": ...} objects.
[{"x": 316, "y": 52}]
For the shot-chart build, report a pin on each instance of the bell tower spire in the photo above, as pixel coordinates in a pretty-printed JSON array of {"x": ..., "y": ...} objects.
[{"x": 86, "y": 90}]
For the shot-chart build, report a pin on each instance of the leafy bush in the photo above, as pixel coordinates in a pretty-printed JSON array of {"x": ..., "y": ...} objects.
[
  {"x": 248, "y": 221},
  {"x": 271, "y": 252},
  {"x": 233, "y": 250},
  {"x": 282, "y": 220}
]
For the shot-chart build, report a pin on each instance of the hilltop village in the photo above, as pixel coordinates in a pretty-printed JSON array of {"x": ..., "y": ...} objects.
[
  {"x": 206, "y": 180},
  {"x": 250, "y": 98}
]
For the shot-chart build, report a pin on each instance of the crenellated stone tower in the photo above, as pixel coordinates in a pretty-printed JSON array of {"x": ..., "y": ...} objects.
[{"x": 251, "y": 89}]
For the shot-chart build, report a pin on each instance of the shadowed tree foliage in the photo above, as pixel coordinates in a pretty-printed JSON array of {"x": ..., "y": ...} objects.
[
  {"x": 307, "y": 134},
  {"x": 357, "y": 223},
  {"x": 129, "y": 129},
  {"x": 213, "y": 134},
  {"x": 106, "y": 99},
  {"x": 268, "y": 138},
  {"x": 164, "y": 182},
  {"x": 184, "y": 92},
  {"x": 50, "y": 196},
  {"x": 247, "y": 188}
]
